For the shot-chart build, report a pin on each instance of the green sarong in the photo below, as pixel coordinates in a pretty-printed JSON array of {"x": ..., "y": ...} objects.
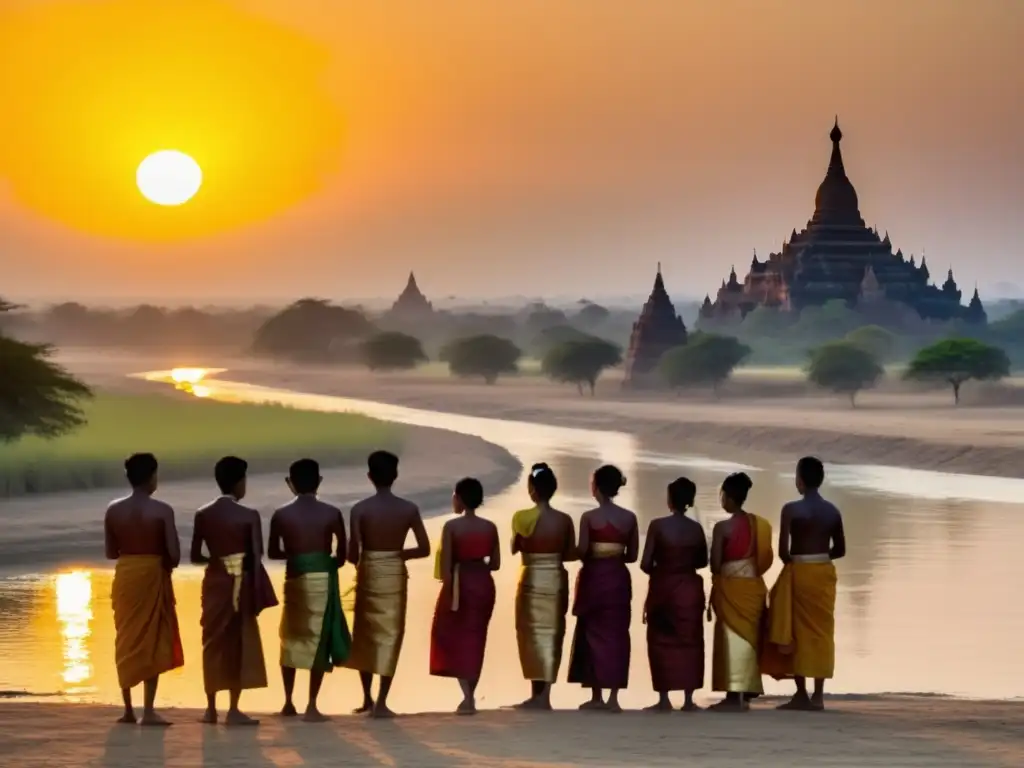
[{"x": 314, "y": 633}]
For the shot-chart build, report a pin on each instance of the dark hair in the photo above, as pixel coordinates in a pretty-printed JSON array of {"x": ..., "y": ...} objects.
[
  {"x": 736, "y": 486},
  {"x": 229, "y": 472},
  {"x": 140, "y": 468},
  {"x": 609, "y": 480},
  {"x": 543, "y": 481},
  {"x": 811, "y": 472},
  {"x": 304, "y": 476},
  {"x": 681, "y": 493},
  {"x": 470, "y": 491},
  {"x": 383, "y": 468}
]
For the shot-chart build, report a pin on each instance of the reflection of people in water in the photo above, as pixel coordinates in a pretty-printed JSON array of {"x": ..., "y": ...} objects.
[
  {"x": 546, "y": 538},
  {"x": 674, "y": 550},
  {"x": 609, "y": 539},
  {"x": 801, "y": 626},
  {"x": 235, "y": 589},
  {"x": 741, "y": 553},
  {"x": 141, "y": 536},
  {"x": 380, "y": 525},
  {"x": 469, "y": 552},
  {"x": 314, "y": 634}
]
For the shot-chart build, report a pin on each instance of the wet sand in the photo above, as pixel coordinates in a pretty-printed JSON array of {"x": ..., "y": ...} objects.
[{"x": 882, "y": 732}]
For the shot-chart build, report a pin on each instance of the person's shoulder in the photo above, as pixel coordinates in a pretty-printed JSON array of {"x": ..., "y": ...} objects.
[
  {"x": 116, "y": 505},
  {"x": 160, "y": 507},
  {"x": 284, "y": 510},
  {"x": 360, "y": 505},
  {"x": 832, "y": 508},
  {"x": 329, "y": 509},
  {"x": 654, "y": 525}
]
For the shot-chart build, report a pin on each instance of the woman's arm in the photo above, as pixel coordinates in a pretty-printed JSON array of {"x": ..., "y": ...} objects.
[
  {"x": 633, "y": 546},
  {"x": 717, "y": 547},
  {"x": 494, "y": 561},
  {"x": 647, "y": 561}
]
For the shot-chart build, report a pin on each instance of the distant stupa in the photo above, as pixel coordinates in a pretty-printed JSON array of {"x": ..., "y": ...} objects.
[
  {"x": 411, "y": 303},
  {"x": 657, "y": 330}
]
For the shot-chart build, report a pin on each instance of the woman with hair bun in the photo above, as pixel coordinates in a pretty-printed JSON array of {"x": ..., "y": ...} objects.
[
  {"x": 741, "y": 553},
  {"x": 609, "y": 540},
  {"x": 674, "y": 550},
  {"x": 546, "y": 538}
]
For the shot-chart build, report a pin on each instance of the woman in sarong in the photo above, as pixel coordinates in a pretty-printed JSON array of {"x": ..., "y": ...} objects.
[
  {"x": 741, "y": 553},
  {"x": 675, "y": 549},
  {"x": 468, "y": 554},
  {"x": 547, "y": 539},
  {"x": 609, "y": 539}
]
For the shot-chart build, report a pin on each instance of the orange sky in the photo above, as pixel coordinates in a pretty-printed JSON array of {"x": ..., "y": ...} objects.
[{"x": 529, "y": 146}]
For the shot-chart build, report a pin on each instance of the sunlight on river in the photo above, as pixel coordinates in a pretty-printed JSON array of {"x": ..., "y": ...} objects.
[{"x": 74, "y": 615}]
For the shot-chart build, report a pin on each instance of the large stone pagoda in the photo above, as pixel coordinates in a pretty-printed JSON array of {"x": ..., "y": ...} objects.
[
  {"x": 838, "y": 257},
  {"x": 411, "y": 306},
  {"x": 657, "y": 330}
]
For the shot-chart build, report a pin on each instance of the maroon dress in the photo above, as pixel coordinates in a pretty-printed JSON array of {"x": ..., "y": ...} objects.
[
  {"x": 458, "y": 636},
  {"x": 603, "y": 610},
  {"x": 674, "y": 614}
]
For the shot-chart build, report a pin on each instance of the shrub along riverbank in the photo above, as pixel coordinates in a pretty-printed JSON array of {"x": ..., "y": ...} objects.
[{"x": 187, "y": 436}]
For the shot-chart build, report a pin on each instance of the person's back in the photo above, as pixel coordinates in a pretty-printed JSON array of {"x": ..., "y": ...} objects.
[
  {"x": 813, "y": 524},
  {"x": 380, "y": 527},
  {"x": 228, "y": 528},
  {"x": 137, "y": 525},
  {"x": 680, "y": 545},
  {"x": 553, "y": 533},
  {"x": 305, "y": 526}
]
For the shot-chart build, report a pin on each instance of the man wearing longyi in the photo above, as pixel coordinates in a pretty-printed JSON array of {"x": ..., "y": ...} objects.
[
  {"x": 235, "y": 590},
  {"x": 801, "y": 612},
  {"x": 314, "y": 634},
  {"x": 380, "y": 526},
  {"x": 141, "y": 536}
]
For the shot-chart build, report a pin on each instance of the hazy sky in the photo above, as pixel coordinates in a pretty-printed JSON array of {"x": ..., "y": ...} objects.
[{"x": 532, "y": 146}]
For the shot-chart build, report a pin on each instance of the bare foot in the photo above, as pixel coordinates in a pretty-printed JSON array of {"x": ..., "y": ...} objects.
[
  {"x": 613, "y": 707},
  {"x": 288, "y": 710},
  {"x": 381, "y": 712},
  {"x": 313, "y": 715},
  {"x": 467, "y": 707},
  {"x": 153, "y": 719},
  {"x": 728, "y": 706},
  {"x": 818, "y": 703},
  {"x": 661, "y": 706},
  {"x": 691, "y": 707},
  {"x": 366, "y": 708},
  {"x": 239, "y": 718},
  {"x": 128, "y": 718},
  {"x": 798, "y": 703},
  {"x": 592, "y": 706},
  {"x": 209, "y": 717}
]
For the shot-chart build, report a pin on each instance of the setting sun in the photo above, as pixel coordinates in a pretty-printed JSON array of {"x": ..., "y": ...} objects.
[{"x": 169, "y": 177}]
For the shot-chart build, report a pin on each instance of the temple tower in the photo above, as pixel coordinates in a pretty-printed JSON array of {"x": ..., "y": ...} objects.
[
  {"x": 411, "y": 304},
  {"x": 656, "y": 330}
]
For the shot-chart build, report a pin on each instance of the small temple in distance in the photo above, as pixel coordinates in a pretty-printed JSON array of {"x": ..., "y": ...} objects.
[
  {"x": 656, "y": 330},
  {"x": 411, "y": 306},
  {"x": 838, "y": 257}
]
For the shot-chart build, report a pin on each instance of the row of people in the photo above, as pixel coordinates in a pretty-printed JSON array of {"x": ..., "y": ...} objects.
[{"x": 310, "y": 536}]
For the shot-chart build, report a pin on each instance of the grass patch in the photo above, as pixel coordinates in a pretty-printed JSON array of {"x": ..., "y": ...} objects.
[{"x": 187, "y": 436}]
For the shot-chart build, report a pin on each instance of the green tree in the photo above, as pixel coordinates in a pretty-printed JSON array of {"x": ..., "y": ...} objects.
[
  {"x": 707, "y": 359},
  {"x": 832, "y": 320},
  {"x": 580, "y": 362},
  {"x": 874, "y": 339},
  {"x": 556, "y": 335},
  {"x": 311, "y": 329},
  {"x": 37, "y": 396},
  {"x": 844, "y": 367},
  {"x": 393, "y": 351},
  {"x": 955, "y": 361},
  {"x": 485, "y": 356},
  {"x": 765, "y": 321},
  {"x": 591, "y": 315}
]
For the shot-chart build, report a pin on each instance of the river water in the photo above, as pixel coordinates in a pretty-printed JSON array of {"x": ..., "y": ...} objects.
[{"x": 928, "y": 593}]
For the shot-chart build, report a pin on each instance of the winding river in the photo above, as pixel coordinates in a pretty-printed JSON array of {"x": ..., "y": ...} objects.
[{"x": 928, "y": 594}]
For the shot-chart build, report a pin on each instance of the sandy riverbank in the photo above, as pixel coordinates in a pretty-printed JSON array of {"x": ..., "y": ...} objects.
[{"x": 883, "y": 731}]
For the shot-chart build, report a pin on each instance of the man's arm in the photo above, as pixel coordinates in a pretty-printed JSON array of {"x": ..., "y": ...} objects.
[
  {"x": 633, "y": 546},
  {"x": 340, "y": 537},
  {"x": 647, "y": 561},
  {"x": 274, "y": 549},
  {"x": 171, "y": 538},
  {"x": 838, "y": 539},
  {"x": 419, "y": 531},
  {"x": 355, "y": 540},
  {"x": 717, "y": 548},
  {"x": 784, "y": 534},
  {"x": 109, "y": 539},
  {"x": 196, "y": 555}
]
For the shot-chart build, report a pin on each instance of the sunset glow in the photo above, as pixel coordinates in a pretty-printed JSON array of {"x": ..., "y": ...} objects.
[{"x": 169, "y": 177}]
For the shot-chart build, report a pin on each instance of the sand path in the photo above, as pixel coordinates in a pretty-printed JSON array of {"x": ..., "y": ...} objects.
[{"x": 887, "y": 732}]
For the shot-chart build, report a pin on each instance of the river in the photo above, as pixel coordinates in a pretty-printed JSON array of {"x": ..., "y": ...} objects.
[{"x": 928, "y": 593}]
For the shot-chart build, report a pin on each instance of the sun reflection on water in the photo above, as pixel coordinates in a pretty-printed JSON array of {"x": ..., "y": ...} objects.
[{"x": 74, "y": 614}]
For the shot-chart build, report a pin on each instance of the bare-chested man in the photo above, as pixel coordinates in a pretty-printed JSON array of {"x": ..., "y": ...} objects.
[
  {"x": 802, "y": 626},
  {"x": 141, "y": 536},
  {"x": 380, "y": 527},
  {"x": 546, "y": 538},
  {"x": 232, "y": 650},
  {"x": 314, "y": 634}
]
